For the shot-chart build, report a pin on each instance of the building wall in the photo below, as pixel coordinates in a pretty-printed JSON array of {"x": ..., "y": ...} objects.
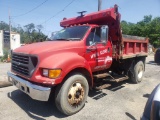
[
  {"x": 11, "y": 44},
  {"x": 15, "y": 41},
  {"x": 1, "y": 43}
]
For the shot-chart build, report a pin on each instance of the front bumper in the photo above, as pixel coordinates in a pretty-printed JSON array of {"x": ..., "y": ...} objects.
[{"x": 34, "y": 91}]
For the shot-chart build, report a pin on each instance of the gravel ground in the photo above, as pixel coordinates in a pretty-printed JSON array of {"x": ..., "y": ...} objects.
[
  {"x": 4, "y": 67},
  {"x": 123, "y": 101}
]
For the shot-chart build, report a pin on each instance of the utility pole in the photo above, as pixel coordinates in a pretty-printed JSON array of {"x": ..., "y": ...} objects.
[
  {"x": 9, "y": 28},
  {"x": 99, "y": 5},
  {"x": 9, "y": 21}
]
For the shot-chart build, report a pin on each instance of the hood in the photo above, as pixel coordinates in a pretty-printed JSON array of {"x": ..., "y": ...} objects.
[{"x": 48, "y": 46}]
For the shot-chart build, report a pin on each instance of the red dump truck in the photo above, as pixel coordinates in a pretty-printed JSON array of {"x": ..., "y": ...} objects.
[{"x": 89, "y": 50}]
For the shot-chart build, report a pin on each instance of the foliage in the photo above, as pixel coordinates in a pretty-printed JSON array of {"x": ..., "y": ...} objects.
[
  {"x": 29, "y": 33},
  {"x": 5, "y": 55},
  {"x": 4, "y": 26},
  {"x": 147, "y": 27}
]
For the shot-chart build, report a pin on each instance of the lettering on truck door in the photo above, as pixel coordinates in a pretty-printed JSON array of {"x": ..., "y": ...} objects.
[{"x": 98, "y": 54}]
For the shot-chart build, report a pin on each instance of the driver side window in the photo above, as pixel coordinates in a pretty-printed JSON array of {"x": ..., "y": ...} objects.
[{"x": 94, "y": 36}]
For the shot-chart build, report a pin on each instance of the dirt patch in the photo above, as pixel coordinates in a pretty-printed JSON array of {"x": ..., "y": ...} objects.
[{"x": 4, "y": 84}]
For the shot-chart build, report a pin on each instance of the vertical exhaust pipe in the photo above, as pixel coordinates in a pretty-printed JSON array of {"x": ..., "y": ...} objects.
[{"x": 99, "y": 5}]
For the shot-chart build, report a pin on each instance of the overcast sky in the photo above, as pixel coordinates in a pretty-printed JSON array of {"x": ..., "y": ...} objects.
[{"x": 131, "y": 11}]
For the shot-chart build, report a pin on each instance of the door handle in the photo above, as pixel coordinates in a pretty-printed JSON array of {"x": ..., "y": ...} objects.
[
  {"x": 91, "y": 49},
  {"x": 108, "y": 50}
]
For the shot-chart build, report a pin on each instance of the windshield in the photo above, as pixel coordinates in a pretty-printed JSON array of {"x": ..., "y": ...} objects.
[{"x": 71, "y": 33}]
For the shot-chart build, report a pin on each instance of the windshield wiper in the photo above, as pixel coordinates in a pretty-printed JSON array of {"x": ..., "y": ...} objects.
[
  {"x": 63, "y": 39},
  {"x": 68, "y": 39},
  {"x": 73, "y": 38}
]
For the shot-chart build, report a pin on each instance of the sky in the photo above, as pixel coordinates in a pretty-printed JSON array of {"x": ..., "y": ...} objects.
[{"x": 49, "y": 13}]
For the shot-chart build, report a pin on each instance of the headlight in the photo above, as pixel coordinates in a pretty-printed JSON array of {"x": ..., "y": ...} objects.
[
  {"x": 51, "y": 73},
  {"x": 45, "y": 72}
]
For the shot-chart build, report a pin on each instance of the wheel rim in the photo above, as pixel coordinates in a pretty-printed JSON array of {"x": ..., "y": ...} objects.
[
  {"x": 140, "y": 72},
  {"x": 76, "y": 94}
]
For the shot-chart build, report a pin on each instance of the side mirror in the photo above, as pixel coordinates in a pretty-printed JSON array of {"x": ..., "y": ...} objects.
[{"x": 104, "y": 34}]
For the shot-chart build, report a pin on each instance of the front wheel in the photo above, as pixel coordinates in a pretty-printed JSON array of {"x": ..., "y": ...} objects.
[
  {"x": 137, "y": 73},
  {"x": 72, "y": 95}
]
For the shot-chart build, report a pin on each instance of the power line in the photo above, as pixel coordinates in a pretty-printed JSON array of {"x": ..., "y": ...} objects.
[
  {"x": 31, "y": 9},
  {"x": 59, "y": 12}
]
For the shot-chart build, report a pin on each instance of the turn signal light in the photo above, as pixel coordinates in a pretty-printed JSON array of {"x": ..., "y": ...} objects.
[
  {"x": 54, "y": 73},
  {"x": 51, "y": 73}
]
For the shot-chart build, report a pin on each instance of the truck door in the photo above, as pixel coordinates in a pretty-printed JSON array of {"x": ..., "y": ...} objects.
[{"x": 99, "y": 52}]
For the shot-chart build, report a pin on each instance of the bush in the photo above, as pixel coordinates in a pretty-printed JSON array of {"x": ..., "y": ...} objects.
[{"x": 5, "y": 55}]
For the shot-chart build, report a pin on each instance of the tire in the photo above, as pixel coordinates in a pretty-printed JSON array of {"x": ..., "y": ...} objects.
[
  {"x": 136, "y": 75},
  {"x": 72, "y": 94}
]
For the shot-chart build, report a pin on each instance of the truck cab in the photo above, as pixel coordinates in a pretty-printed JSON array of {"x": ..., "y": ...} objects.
[{"x": 97, "y": 46}]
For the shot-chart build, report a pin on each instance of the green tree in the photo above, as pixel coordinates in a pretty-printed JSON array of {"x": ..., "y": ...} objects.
[
  {"x": 30, "y": 28},
  {"x": 28, "y": 34},
  {"x": 4, "y": 26},
  {"x": 31, "y": 35},
  {"x": 39, "y": 28},
  {"x": 147, "y": 27}
]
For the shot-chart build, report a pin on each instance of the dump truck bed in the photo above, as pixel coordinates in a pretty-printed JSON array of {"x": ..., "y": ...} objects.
[{"x": 134, "y": 46}]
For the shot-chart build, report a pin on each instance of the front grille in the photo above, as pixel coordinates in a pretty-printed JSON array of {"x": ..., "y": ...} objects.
[{"x": 24, "y": 64}]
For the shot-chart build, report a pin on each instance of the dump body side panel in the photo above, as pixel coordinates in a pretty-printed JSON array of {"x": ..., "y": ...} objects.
[{"x": 134, "y": 46}]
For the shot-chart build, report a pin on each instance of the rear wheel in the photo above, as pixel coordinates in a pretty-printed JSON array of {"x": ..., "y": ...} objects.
[
  {"x": 72, "y": 95},
  {"x": 137, "y": 73}
]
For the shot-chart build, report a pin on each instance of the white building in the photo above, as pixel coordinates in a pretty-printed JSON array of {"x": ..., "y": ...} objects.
[
  {"x": 1, "y": 43},
  {"x": 8, "y": 41}
]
